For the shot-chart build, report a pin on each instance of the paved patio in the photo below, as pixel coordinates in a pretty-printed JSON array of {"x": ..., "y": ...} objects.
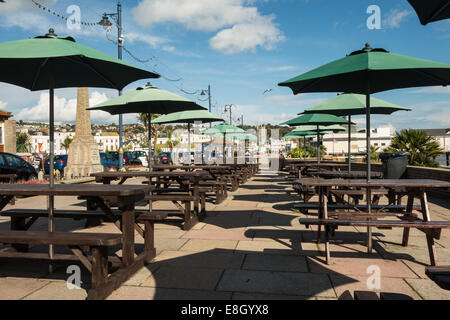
[{"x": 249, "y": 247}]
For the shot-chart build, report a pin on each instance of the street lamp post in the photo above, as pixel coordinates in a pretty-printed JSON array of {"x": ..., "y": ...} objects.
[
  {"x": 106, "y": 23},
  {"x": 228, "y": 108},
  {"x": 209, "y": 99}
]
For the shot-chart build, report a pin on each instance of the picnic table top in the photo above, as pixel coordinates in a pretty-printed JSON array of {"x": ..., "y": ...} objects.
[
  {"x": 349, "y": 175},
  {"x": 72, "y": 190},
  {"x": 146, "y": 174},
  {"x": 322, "y": 164},
  {"x": 409, "y": 183},
  {"x": 187, "y": 167},
  {"x": 8, "y": 175}
]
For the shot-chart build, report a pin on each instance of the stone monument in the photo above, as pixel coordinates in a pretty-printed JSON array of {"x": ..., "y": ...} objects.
[{"x": 84, "y": 157}]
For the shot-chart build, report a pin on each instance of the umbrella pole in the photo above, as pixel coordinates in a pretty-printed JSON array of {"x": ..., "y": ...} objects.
[
  {"x": 349, "y": 143},
  {"x": 189, "y": 143},
  {"x": 368, "y": 196},
  {"x": 149, "y": 115},
  {"x": 304, "y": 147},
  {"x": 51, "y": 198},
  {"x": 318, "y": 146}
]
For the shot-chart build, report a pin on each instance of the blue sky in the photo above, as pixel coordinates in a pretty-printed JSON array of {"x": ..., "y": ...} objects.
[{"x": 241, "y": 48}]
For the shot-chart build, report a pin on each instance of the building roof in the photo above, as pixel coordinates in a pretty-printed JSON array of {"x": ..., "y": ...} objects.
[
  {"x": 438, "y": 132},
  {"x": 5, "y": 115}
]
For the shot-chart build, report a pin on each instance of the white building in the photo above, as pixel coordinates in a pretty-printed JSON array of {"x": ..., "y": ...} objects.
[
  {"x": 107, "y": 142},
  {"x": 337, "y": 143},
  {"x": 40, "y": 143}
]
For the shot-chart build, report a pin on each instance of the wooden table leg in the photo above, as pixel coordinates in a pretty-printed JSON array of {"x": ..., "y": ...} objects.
[
  {"x": 128, "y": 234},
  {"x": 327, "y": 230},
  {"x": 321, "y": 210},
  {"x": 427, "y": 217},
  {"x": 409, "y": 209}
]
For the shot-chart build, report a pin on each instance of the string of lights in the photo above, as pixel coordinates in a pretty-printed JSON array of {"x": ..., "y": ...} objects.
[
  {"x": 60, "y": 15},
  {"x": 88, "y": 26}
]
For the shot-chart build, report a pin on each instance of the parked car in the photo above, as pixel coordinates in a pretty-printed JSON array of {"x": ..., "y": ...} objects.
[
  {"x": 130, "y": 158},
  {"x": 164, "y": 158},
  {"x": 12, "y": 164},
  {"x": 142, "y": 156},
  {"x": 59, "y": 163},
  {"x": 109, "y": 160}
]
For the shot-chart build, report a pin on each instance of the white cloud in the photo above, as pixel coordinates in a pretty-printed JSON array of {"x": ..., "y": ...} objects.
[
  {"x": 240, "y": 27},
  {"x": 65, "y": 110},
  {"x": 434, "y": 90},
  {"x": 247, "y": 36},
  {"x": 3, "y": 105},
  {"x": 281, "y": 68},
  {"x": 395, "y": 17}
]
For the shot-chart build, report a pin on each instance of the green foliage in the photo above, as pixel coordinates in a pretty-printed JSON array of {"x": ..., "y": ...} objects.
[
  {"x": 297, "y": 153},
  {"x": 23, "y": 143},
  {"x": 422, "y": 148},
  {"x": 374, "y": 155},
  {"x": 66, "y": 143}
]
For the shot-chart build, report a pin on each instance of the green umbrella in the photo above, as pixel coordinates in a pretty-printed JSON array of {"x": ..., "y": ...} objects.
[
  {"x": 51, "y": 62},
  {"x": 147, "y": 99},
  {"x": 431, "y": 10},
  {"x": 189, "y": 117},
  {"x": 223, "y": 130},
  {"x": 349, "y": 104},
  {"x": 317, "y": 120},
  {"x": 369, "y": 71}
]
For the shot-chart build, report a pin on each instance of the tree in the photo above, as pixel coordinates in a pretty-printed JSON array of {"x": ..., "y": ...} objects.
[
  {"x": 156, "y": 128},
  {"x": 23, "y": 143},
  {"x": 374, "y": 156},
  {"x": 66, "y": 144},
  {"x": 171, "y": 143},
  {"x": 422, "y": 148}
]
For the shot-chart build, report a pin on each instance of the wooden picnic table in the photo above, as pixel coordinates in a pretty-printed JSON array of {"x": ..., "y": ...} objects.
[
  {"x": 364, "y": 217},
  {"x": 302, "y": 169},
  {"x": 161, "y": 189},
  {"x": 125, "y": 196},
  {"x": 347, "y": 175}
]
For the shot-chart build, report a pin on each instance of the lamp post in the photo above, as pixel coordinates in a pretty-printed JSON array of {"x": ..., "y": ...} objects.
[
  {"x": 209, "y": 99},
  {"x": 228, "y": 108},
  {"x": 106, "y": 23}
]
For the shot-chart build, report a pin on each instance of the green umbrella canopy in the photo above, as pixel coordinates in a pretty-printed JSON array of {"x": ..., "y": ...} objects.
[
  {"x": 324, "y": 129},
  {"x": 242, "y": 136},
  {"x": 369, "y": 71},
  {"x": 190, "y": 116},
  {"x": 59, "y": 62},
  {"x": 316, "y": 119},
  {"x": 297, "y": 134},
  {"x": 431, "y": 10},
  {"x": 223, "y": 129},
  {"x": 147, "y": 99},
  {"x": 354, "y": 104}
]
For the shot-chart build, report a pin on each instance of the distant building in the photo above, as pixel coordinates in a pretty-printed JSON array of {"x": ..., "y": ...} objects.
[
  {"x": 337, "y": 143},
  {"x": 442, "y": 136},
  {"x": 7, "y": 133}
]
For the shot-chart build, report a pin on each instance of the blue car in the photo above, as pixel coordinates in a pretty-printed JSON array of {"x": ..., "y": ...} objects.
[
  {"x": 59, "y": 163},
  {"x": 109, "y": 160}
]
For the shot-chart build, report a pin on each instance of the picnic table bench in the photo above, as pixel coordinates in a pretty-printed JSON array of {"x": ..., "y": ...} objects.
[
  {"x": 187, "y": 197},
  {"x": 414, "y": 188},
  {"x": 97, "y": 263}
]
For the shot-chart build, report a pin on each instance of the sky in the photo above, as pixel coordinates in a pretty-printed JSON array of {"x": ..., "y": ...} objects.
[{"x": 241, "y": 48}]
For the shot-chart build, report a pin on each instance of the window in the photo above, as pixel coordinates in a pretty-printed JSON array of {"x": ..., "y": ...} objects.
[
  {"x": 13, "y": 161},
  {"x": 383, "y": 144},
  {"x": 2, "y": 162}
]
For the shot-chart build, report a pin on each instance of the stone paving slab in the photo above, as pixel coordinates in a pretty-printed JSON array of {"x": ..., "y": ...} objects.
[
  {"x": 211, "y": 259},
  {"x": 19, "y": 288},
  {"x": 286, "y": 283},
  {"x": 57, "y": 290},
  {"x": 217, "y": 235},
  {"x": 181, "y": 277},
  {"x": 291, "y": 247},
  {"x": 394, "y": 285},
  {"x": 428, "y": 290},
  {"x": 198, "y": 245},
  {"x": 359, "y": 266},
  {"x": 256, "y": 261},
  {"x": 149, "y": 293}
]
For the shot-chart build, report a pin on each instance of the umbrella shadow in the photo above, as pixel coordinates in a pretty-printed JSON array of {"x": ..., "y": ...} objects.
[{"x": 223, "y": 274}]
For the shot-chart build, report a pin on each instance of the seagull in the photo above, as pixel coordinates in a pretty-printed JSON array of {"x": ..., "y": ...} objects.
[{"x": 267, "y": 91}]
